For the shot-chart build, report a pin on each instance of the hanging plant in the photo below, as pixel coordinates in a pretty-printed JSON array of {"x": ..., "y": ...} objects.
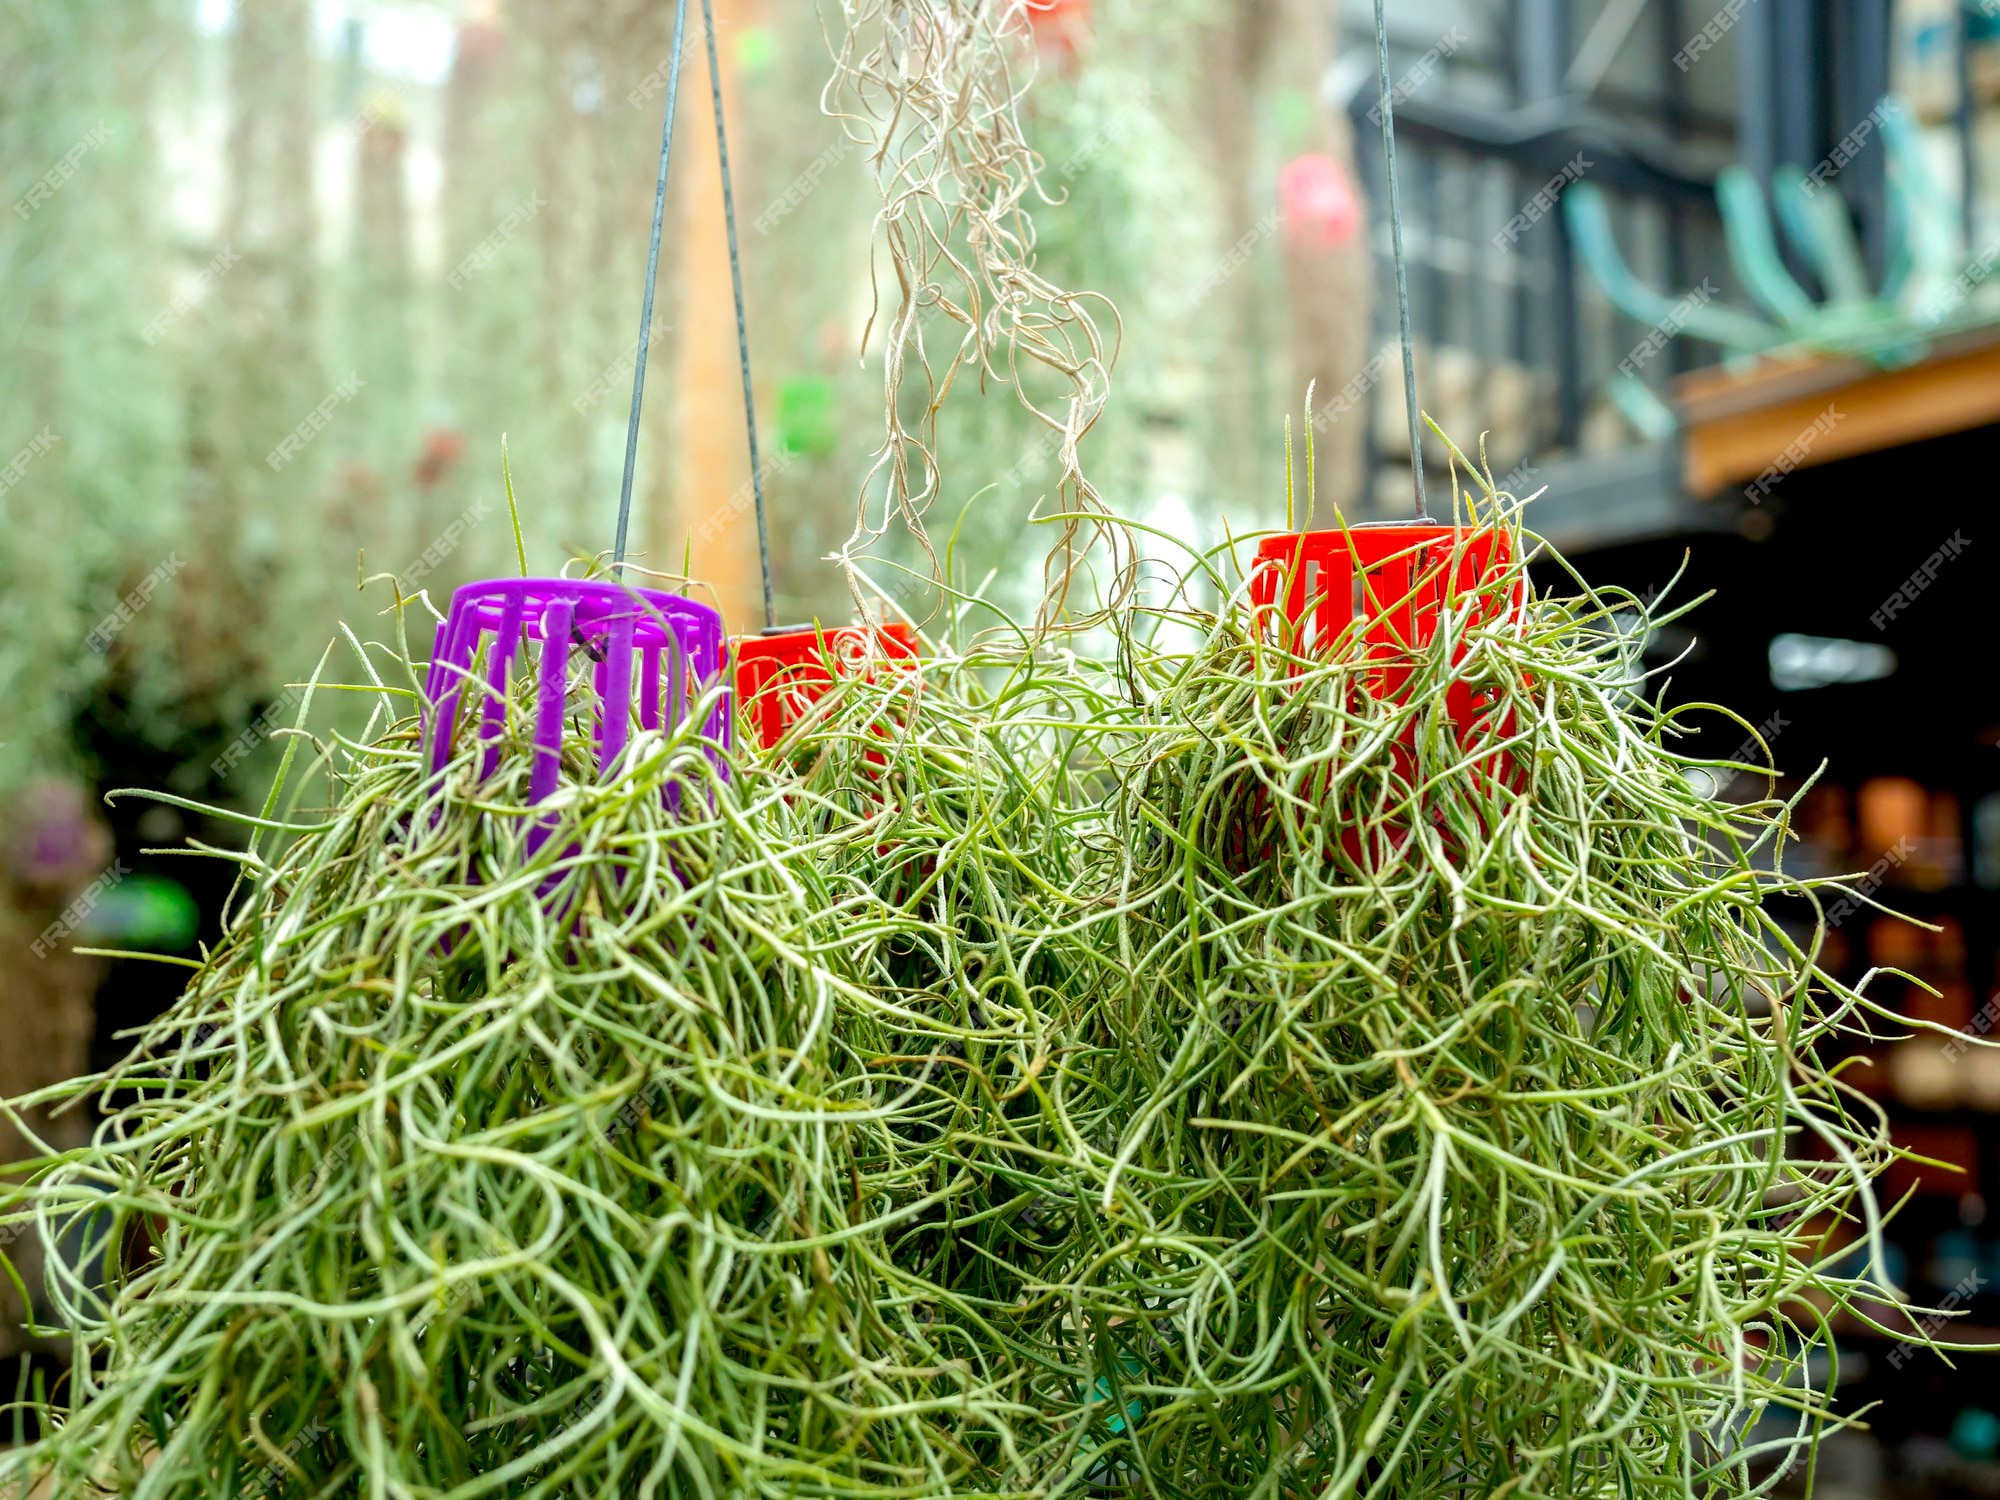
[
  {"x": 462, "y": 1167},
  {"x": 1473, "y": 1135}
]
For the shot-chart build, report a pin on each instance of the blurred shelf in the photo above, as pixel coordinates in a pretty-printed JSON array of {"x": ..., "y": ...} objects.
[{"x": 1736, "y": 423}]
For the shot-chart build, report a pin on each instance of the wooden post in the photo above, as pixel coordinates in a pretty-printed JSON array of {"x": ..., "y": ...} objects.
[{"x": 707, "y": 516}]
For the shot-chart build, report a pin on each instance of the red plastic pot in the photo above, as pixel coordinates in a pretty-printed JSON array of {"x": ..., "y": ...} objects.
[
  {"x": 1395, "y": 576},
  {"x": 1309, "y": 589},
  {"x": 781, "y": 674}
]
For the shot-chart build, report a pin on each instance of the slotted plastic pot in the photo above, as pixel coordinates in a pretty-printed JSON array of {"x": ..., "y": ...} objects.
[
  {"x": 654, "y": 655},
  {"x": 782, "y": 674}
]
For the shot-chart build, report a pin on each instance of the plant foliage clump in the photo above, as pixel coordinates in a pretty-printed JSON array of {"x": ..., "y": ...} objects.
[
  {"x": 1369, "y": 1066},
  {"x": 1475, "y": 1142},
  {"x": 504, "y": 1150}
]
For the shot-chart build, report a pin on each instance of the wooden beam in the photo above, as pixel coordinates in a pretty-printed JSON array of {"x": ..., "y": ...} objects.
[
  {"x": 710, "y": 520},
  {"x": 1735, "y": 426}
]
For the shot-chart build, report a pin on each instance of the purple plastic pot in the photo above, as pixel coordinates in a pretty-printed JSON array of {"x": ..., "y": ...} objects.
[{"x": 675, "y": 643}]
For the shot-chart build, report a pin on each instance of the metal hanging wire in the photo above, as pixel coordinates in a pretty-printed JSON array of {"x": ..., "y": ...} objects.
[
  {"x": 1402, "y": 273},
  {"x": 736, "y": 281}
]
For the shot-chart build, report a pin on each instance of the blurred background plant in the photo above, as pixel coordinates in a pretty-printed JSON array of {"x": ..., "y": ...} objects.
[{"x": 313, "y": 260}]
